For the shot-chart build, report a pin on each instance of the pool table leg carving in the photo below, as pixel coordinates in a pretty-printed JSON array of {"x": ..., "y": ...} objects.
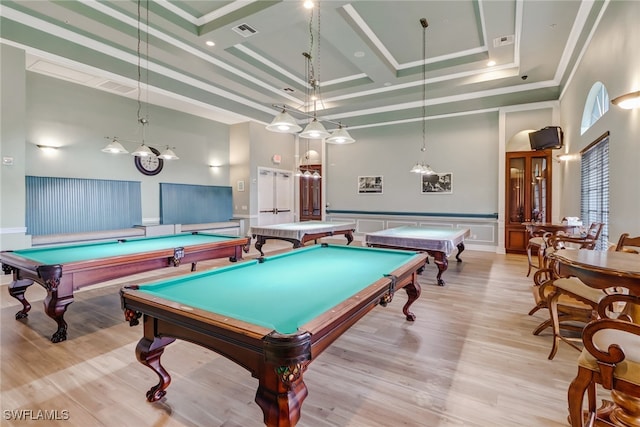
[
  {"x": 281, "y": 389},
  {"x": 441, "y": 261},
  {"x": 148, "y": 352},
  {"x": 413, "y": 291},
  {"x": 280, "y": 407},
  {"x": 55, "y": 307},
  {"x": 349, "y": 236},
  {"x": 259, "y": 243},
  {"x": 17, "y": 288},
  {"x": 460, "y": 250}
]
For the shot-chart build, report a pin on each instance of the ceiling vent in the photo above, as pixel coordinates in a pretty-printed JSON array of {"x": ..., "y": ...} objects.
[
  {"x": 245, "y": 30},
  {"x": 112, "y": 86},
  {"x": 503, "y": 41}
]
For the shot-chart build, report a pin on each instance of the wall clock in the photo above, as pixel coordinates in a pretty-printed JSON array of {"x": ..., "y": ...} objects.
[{"x": 149, "y": 165}]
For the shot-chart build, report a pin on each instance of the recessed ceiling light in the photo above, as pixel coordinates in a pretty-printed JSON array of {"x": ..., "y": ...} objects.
[
  {"x": 210, "y": 43},
  {"x": 308, "y": 4},
  {"x": 387, "y": 84},
  {"x": 358, "y": 54},
  {"x": 491, "y": 63}
]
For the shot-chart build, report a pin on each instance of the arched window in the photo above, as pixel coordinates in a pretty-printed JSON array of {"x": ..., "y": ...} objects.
[{"x": 596, "y": 105}]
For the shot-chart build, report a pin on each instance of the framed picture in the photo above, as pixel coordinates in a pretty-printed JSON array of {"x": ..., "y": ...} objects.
[
  {"x": 437, "y": 183},
  {"x": 369, "y": 185},
  {"x": 240, "y": 185}
]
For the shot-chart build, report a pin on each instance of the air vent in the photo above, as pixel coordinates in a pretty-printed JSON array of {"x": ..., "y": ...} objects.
[
  {"x": 503, "y": 41},
  {"x": 116, "y": 87},
  {"x": 245, "y": 30}
]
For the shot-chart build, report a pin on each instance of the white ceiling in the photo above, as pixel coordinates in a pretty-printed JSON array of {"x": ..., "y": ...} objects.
[{"x": 369, "y": 58}]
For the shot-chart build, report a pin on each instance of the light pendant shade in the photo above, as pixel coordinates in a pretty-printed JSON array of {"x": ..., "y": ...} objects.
[
  {"x": 142, "y": 151},
  {"x": 168, "y": 154},
  {"x": 315, "y": 175},
  {"x": 298, "y": 172},
  {"x": 284, "y": 123},
  {"x": 426, "y": 170},
  {"x": 628, "y": 101},
  {"x": 306, "y": 174},
  {"x": 114, "y": 147},
  {"x": 416, "y": 168},
  {"x": 314, "y": 130},
  {"x": 340, "y": 136}
]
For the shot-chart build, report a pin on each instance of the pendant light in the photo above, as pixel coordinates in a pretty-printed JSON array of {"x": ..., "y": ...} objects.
[
  {"x": 340, "y": 136},
  {"x": 421, "y": 167},
  {"x": 284, "y": 123}
]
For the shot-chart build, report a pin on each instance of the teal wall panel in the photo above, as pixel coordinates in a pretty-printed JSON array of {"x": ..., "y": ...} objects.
[
  {"x": 195, "y": 204},
  {"x": 73, "y": 205}
]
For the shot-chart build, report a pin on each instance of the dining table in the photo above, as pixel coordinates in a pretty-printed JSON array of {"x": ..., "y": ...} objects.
[{"x": 535, "y": 228}]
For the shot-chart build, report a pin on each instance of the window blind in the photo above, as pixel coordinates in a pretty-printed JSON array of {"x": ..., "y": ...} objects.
[{"x": 594, "y": 194}]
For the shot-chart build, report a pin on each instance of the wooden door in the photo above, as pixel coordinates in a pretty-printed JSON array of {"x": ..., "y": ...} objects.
[
  {"x": 311, "y": 195},
  {"x": 527, "y": 195}
]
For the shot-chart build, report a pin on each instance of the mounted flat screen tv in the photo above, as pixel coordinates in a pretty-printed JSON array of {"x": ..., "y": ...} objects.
[{"x": 548, "y": 137}]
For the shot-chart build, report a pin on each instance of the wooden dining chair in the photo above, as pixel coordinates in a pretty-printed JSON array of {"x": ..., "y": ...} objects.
[
  {"x": 571, "y": 300},
  {"x": 610, "y": 358},
  {"x": 628, "y": 244},
  {"x": 536, "y": 248},
  {"x": 542, "y": 279}
]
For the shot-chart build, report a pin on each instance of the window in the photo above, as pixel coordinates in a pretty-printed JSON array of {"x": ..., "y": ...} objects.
[
  {"x": 596, "y": 105},
  {"x": 594, "y": 186}
]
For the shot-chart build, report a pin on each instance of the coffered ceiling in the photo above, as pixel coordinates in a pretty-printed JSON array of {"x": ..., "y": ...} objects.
[{"x": 368, "y": 56}]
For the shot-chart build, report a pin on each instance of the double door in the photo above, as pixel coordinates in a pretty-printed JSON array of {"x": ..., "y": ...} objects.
[
  {"x": 527, "y": 195},
  {"x": 275, "y": 196}
]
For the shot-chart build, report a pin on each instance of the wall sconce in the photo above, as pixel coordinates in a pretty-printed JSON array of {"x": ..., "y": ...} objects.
[
  {"x": 567, "y": 157},
  {"x": 47, "y": 148},
  {"x": 628, "y": 101}
]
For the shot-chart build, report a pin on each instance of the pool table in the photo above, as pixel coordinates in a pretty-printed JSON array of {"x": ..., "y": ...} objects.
[
  {"x": 65, "y": 268},
  {"x": 302, "y": 232},
  {"x": 437, "y": 242},
  {"x": 272, "y": 315}
]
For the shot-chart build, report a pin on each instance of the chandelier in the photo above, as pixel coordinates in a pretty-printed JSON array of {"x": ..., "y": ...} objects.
[{"x": 285, "y": 123}]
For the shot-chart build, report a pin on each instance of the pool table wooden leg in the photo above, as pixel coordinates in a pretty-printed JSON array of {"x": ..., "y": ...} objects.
[
  {"x": 280, "y": 401},
  {"x": 17, "y": 288},
  {"x": 441, "y": 261},
  {"x": 413, "y": 291},
  {"x": 460, "y": 250},
  {"x": 55, "y": 307},
  {"x": 148, "y": 352},
  {"x": 349, "y": 236},
  {"x": 259, "y": 242}
]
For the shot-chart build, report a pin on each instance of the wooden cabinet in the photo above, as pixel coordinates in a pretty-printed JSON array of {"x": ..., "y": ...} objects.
[
  {"x": 527, "y": 195},
  {"x": 311, "y": 195}
]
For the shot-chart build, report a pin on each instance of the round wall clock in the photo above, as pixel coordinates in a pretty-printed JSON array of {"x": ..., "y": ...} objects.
[{"x": 149, "y": 165}]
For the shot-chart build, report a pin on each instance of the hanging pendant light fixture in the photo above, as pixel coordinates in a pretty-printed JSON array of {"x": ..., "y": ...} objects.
[
  {"x": 284, "y": 122},
  {"x": 422, "y": 167},
  {"x": 168, "y": 154},
  {"x": 340, "y": 136},
  {"x": 114, "y": 147}
]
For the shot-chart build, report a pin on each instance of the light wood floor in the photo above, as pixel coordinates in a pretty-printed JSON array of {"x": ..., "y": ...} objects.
[{"x": 469, "y": 359}]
